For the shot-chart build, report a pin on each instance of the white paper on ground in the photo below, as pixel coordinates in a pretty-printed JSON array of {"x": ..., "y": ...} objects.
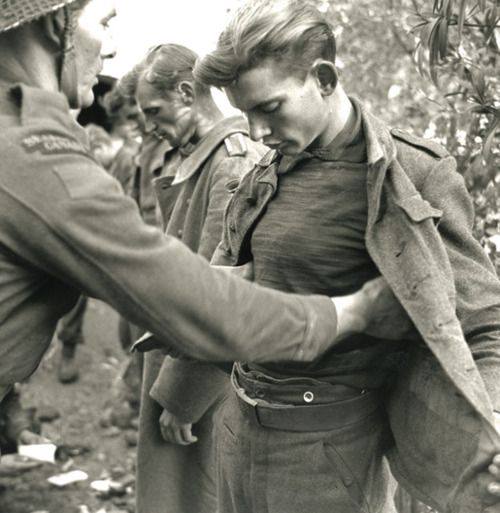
[
  {"x": 68, "y": 478},
  {"x": 39, "y": 452}
]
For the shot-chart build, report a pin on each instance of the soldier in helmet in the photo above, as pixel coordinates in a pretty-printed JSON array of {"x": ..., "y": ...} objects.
[{"x": 66, "y": 227}]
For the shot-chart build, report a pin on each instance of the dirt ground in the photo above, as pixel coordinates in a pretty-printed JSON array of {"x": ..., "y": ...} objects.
[{"x": 91, "y": 444}]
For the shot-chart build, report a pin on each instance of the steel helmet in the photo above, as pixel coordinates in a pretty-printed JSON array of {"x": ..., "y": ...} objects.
[{"x": 17, "y": 12}]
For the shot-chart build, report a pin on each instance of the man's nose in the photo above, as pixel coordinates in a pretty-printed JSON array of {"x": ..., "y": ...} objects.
[
  {"x": 149, "y": 126},
  {"x": 258, "y": 128},
  {"x": 108, "y": 48}
]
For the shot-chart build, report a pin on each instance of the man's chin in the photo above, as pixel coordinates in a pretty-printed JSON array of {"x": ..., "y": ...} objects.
[
  {"x": 289, "y": 149},
  {"x": 86, "y": 99}
]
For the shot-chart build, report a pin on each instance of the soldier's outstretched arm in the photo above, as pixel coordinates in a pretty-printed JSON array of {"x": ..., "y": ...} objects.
[{"x": 79, "y": 227}]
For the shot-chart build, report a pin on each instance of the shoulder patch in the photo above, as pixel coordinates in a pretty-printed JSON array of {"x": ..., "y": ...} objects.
[
  {"x": 427, "y": 145},
  {"x": 236, "y": 145},
  {"x": 52, "y": 143}
]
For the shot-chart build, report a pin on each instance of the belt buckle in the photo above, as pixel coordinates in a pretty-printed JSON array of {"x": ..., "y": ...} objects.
[{"x": 241, "y": 391}]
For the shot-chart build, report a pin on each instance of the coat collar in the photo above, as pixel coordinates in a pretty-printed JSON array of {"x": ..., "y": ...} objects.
[
  {"x": 202, "y": 151},
  {"x": 380, "y": 150}
]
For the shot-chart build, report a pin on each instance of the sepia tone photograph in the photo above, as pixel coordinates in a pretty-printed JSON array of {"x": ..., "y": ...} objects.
[{"x": 176, "y": 334}]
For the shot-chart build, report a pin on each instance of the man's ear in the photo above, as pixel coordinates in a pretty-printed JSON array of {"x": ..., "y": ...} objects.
[
  {"x": 186, "y": 90},
  {"x": 326, "y": 75},
  {"x": 53, "y": 26}
]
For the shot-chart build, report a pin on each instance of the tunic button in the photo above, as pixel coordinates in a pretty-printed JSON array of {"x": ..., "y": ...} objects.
[
  {"x": 260, "y": 393},
  {"x": 348, "y": 481},
  {"x": 232, "y": 227},
  {"x": 308, "y": 397},
  {"x": 228, "y": 252},
  {"x": 188, "y": 201},
  {"x": 179, "y": 233}
]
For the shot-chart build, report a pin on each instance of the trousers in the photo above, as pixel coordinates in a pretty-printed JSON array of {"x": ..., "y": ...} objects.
[{"x": 268, "y": 466}]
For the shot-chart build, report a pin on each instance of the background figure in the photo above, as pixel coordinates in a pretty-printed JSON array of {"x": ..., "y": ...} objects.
[
  {"x": 138, "y": 160},
  {"x": 104, "y": 141},
  {"x": 70, "y": 333},
  {"x": 18, "y": 425},
  {"x": 209, "y": 155}
]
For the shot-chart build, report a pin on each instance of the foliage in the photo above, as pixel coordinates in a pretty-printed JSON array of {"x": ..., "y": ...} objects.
[
  {"x": 458, "y": 49},
  {"x": 431, "y": 67}
]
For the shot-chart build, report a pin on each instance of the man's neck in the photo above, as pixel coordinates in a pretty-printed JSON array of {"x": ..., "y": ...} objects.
[
  {"x": 340, "y": 111},
  {"x": 25, "y": 61},
  {"x": 207, "y": 117}
]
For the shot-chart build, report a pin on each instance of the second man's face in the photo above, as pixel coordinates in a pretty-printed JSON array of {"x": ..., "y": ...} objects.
[
  {"x": 165, "y": 115},
  {"x": 284, "y": 111}
]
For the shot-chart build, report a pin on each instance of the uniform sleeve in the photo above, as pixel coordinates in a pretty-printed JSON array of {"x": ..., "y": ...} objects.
[
  {"x": 188, "y": 388},
  {"x": 477, "y": 286},
  {"x": 81, "y": 228}
]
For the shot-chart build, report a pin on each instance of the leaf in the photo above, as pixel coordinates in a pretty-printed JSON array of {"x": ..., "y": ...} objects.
[
  {"x": 442, "y": 36},
  {"x": 420, "y": 59},
  {"x": 461, "y": 18},
  {"x": 491, "y": 22},
  {"x": 490, "y": 135},
  {"x": 479, "y": 83},
  {"x": 433, "y": 43},
  {"x": 426, "y": 33}
]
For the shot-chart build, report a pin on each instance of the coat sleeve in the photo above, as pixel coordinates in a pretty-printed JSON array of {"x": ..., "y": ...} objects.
[
  {"x": 80, "y": 228},
  {"x": 477, "y": 286},
  {"x": 189, "y": 388}
]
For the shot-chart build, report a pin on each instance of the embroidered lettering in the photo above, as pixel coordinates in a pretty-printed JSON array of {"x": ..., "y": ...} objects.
[{"x": 52, "y": 143}]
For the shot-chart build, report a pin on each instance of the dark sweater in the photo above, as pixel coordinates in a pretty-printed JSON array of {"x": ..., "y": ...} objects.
[{"x": 311, "y": 240}]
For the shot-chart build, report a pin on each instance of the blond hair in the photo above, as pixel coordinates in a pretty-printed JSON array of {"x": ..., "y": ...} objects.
[{"x": 292, "y": 32}]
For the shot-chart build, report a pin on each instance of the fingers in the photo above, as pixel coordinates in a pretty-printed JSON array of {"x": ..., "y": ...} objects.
[
  {"x": 174, "y": 431},
  {"x": 178, "y": 434},
  {"x": 187, "y": 434},
  {"x": 27, "y": 437}
]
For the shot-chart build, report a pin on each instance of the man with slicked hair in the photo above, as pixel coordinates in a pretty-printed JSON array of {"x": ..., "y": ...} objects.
[{"x": 341, "y": 199}]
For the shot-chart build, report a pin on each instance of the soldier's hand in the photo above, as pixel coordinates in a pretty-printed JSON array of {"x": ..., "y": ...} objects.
[
  {"x": 373, "y": 310},
  {"x": 175, "y": 431}
]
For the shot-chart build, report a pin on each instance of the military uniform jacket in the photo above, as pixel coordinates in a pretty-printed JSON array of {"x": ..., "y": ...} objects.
[
  {"x": 192, "y": 202},
  {"x": 66, "y": 226},
  {"x": 192, "y": 193},
  {"x": 419, "y": 235}
]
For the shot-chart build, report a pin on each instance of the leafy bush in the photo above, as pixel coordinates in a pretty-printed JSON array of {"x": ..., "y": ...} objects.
[{"x": 431, "y": 67}]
